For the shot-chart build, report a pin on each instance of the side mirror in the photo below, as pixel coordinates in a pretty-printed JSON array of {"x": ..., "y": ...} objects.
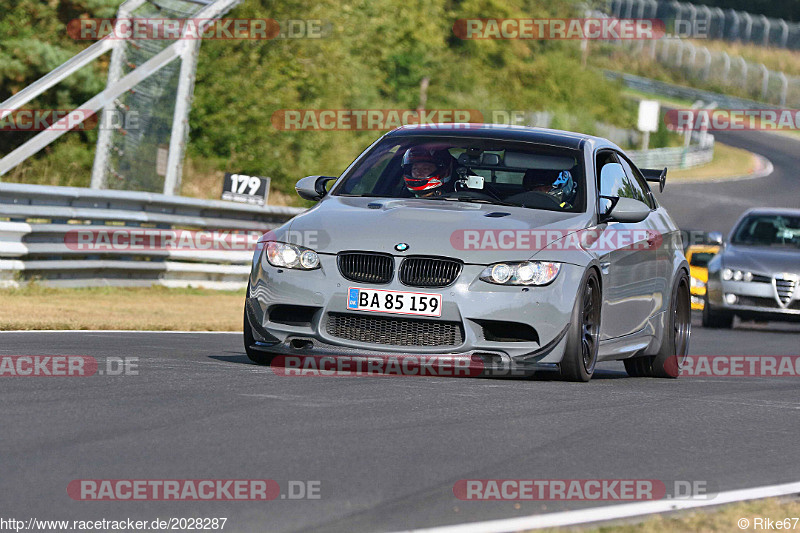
[
  {"x": 312, "y": 187},
  {"x": 715, "y": 237},
  {"x": 628, "y": 210}
]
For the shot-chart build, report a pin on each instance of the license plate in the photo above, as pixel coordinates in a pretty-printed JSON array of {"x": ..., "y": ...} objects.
[{"x": 399, "y": 302}]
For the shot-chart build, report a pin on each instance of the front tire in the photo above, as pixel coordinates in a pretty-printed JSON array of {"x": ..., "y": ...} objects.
[
  {"x": 716, "y": 319},
  {"x": 252, "y": 354},
  {"x": 580, "y": 355}
]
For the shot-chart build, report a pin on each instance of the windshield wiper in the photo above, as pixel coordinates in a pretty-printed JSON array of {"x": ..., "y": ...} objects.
[{"x": 478, "y": 201}]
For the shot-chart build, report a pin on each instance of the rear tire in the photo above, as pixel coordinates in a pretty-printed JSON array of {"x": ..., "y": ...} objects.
[
  {"x": 252, "y": 354},
  {"x": 580, "y": 355},
  {"x": 675, "y": 343},
  {"x": 716, "y": 319}
]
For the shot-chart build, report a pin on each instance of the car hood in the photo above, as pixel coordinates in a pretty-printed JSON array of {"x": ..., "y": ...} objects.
[
  {"x": 428, "y": 227},
  {"x": 762, "y": 260}
]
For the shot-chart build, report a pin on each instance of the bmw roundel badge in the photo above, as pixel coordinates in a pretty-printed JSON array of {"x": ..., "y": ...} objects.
[{"x": 401, "y": 247}]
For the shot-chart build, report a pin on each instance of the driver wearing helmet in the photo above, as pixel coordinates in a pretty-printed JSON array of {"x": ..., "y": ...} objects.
[
  {"x": 565, "y": 189},
  {"x": 427, "y": 171}
]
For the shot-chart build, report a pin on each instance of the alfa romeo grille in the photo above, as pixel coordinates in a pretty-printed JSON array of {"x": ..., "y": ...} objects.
[
  {"x": 394, "y": 331},
  {"x": 785, "y": 288},
  {"x": 429, "y": 271},
  {"x": 366, "y": 267}
]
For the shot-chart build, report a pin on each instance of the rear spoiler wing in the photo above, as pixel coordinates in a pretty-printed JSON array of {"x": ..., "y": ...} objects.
[{"x": 656, "y": 176}]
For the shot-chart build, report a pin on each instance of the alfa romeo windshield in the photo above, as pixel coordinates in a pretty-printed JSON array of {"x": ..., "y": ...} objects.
[{"x": 768, "y": 230}]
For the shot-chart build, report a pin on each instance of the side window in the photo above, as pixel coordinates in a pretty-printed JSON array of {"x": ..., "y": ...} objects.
[
  {"x": 634, "y": 186},
  {"x": 633, "y": 171},
  {"x": 604, "y": 158}
]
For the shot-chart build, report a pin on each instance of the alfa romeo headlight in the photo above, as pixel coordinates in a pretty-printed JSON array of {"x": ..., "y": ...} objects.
[
  {"x": 523, "y": 273},
  {"x": 736, "y": 275},
  {"x": 285, "y": 255}
]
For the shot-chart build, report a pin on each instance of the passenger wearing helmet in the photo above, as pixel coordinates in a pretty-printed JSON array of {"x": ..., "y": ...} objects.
[
  {"x": 564, "y": 189},
  {"x": 537, "y": 181},
  {"x": 427, "y": 171}
]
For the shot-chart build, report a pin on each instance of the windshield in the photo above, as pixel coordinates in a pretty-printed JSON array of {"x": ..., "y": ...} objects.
[
  {"x": 701, "y": 259},
  {"x": 470, "y": 170},
  {"x": 768, "y": 230}
]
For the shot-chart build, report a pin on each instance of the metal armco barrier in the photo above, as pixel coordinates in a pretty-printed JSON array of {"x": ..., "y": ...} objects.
[{"x": 35, "y": 220}]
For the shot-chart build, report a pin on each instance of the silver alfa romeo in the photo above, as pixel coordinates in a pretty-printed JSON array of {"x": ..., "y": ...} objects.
[
  {"x": 756, "y": 274},
  {"x": 517, "y": 248}
]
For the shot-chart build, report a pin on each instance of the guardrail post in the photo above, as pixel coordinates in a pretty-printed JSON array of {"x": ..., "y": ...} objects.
[
  {"x": 654, "y": 10},
  {"x": 726, "y": 67},
  {"x": 706, "y": 63},
  {"x": 640, "y": 13},
  {"x": 735, "y": 26},
  {"x": 692, "y": 54},
  {"x": 748, "y": 25},
  {"x": 692, "y": 16},
  {"x": 784, "y": 32},
  {"x": 764, "y": 81},
  {"x": 784, "y": 88},
  {"x": 721, "y": 32},
  {"x": 766, "y": 25},
  {"x": 743, "y": 64}
]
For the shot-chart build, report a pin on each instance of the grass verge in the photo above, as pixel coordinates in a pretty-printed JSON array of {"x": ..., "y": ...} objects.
[
  {"x": 715, "y": 520},
  {"x": 154, "y": 308},
  {"x": 728, "y": 162}
]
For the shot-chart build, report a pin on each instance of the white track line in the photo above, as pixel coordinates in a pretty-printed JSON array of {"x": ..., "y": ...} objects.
[
  {"x": 119, "y": 331},
  {"x": 614, "y": 512}
]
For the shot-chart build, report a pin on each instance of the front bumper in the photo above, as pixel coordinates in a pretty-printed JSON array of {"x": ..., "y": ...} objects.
[
  {"x": 698, "y": 297},
  {"x": 752, "y": 300},
  {"x": 468, "y": 303}
]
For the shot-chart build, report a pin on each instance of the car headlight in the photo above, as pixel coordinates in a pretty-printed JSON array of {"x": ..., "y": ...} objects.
[
  {"x": 736, "y": 275},
  {"x": 696, "y": 283},
  {"x": 285, "y": 255},
  {"x": 524, "y": 273}
]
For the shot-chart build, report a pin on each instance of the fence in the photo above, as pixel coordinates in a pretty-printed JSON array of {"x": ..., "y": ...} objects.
[
  {"x": 678, "y": 157},
  {"x": 720, "y": 70},
  {"x": 684, "y": 93},
  {"x": 35, "y": 220},
  {"x": 728, "y": 24}
]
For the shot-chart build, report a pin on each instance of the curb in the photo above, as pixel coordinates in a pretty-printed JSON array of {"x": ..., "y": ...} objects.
[{"x": 764, "y": 168}]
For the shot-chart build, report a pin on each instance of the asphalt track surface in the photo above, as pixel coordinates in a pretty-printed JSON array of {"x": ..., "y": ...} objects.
[
  {"x": 715, "y": 206},
  {"x": 388, "y": 450}
]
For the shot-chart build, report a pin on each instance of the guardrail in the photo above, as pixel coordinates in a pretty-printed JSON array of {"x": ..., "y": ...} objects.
[
  {"x": 35, "y": 221},
  {"x": 717, "y": 23},
  {"x": 684, "y": 93},
  {"x": 677, "y": 157}
]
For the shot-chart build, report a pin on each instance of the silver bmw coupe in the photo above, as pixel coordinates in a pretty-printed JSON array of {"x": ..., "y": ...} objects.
[{"x": 513, "y": 247}]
